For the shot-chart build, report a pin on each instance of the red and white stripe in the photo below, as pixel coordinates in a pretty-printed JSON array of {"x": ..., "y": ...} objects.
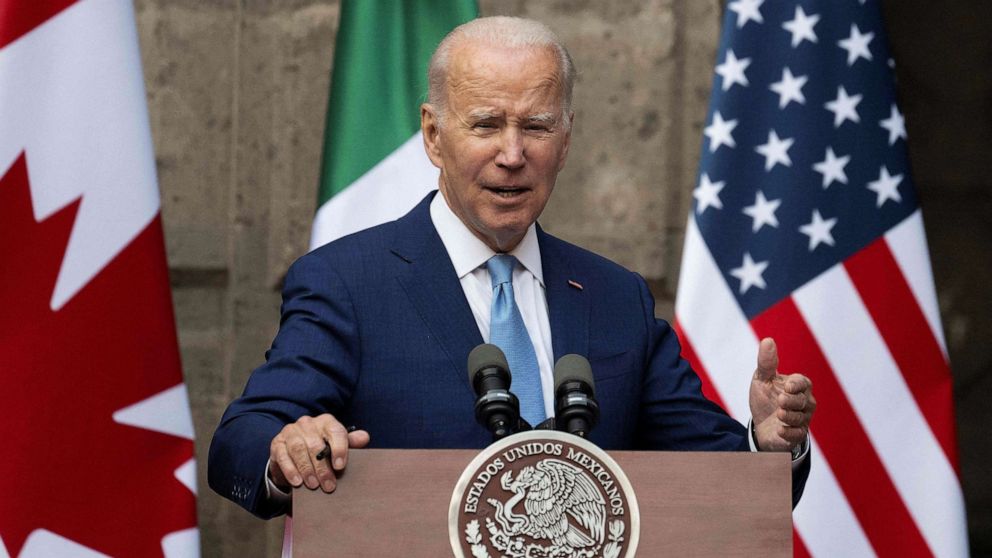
[{"x": 867, "y": 332}]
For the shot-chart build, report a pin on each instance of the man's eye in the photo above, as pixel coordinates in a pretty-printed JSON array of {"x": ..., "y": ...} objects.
[{"x": 484, "y": 125}]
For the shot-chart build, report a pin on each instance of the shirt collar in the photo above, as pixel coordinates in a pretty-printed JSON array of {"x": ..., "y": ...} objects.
[{"x": 467, "y": 252}]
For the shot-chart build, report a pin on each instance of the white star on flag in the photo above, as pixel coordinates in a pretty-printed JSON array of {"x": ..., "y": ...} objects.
[
  {"x": 832, "y": 168},
  {"x": 707, "y": 194},
  {"x": 789, "y": 88},
  {"x": 895, "y": 124},
  {"x": 801, "y": 27},
  {"x": 747, "y": 10},
  {"x": 763, "y": 212},
  {"x": 844, "y": 107},
  {"x": 856, "y": 45},
  {"x": 887, "y": 187},
  {"x": 719, "y": 132},
  {"x": 818, "y": 230},
  {"x": 775, "y": 151},
  {"x": 732, "y": 70},
  {"x": 749, "y": 273}
]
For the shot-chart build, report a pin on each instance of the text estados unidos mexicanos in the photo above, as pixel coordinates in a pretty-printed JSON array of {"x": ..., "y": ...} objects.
[{"x": 596, "y": 469}]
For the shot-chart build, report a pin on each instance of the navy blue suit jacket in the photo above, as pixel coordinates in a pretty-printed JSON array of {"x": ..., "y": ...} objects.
[{"x": 376, "y": 330}]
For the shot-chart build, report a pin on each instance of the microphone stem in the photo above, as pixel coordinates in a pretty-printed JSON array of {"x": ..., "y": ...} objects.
[{"x": 578, "y": 426}]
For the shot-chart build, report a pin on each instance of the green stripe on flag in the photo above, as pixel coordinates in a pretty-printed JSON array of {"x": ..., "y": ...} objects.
[{"x": 379, "y": 80}]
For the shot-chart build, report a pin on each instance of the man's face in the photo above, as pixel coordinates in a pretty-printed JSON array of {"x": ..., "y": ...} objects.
[{"x": 503, "y": 139}]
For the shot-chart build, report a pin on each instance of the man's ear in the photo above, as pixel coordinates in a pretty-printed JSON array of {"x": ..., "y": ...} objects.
[
  {"x": 568, "y": 141},
  {"x": 430, "y": 128}
]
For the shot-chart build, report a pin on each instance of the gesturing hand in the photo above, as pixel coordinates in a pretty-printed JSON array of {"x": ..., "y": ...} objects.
[
  {"x": 781, "y": 405},
  {"x": 293, "y": 452}
]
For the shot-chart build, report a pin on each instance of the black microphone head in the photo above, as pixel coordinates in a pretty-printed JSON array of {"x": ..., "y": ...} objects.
[
  {"x": 486, "y": 356},
  {"x": 489, "y": 375},
  {"x": 574, "y": 368}
]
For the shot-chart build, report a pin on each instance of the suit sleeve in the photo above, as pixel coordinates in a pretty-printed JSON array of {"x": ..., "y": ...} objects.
[
  {"x": 311, "y": 369},
  {"x": 675, "y": 415},
  {"x": 674, "y": 412}
]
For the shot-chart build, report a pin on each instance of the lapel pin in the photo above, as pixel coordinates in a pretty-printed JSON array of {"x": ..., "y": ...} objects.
[{"x": 575, "y": 284}]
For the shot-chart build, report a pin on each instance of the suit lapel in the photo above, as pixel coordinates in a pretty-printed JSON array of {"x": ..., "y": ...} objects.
[
  {"x": 568, "y": 303},
  {"x": 430, "y": 281}
]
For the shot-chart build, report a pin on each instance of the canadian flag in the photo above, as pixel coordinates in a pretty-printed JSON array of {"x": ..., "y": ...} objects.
[{"x": 95, "y": 429}]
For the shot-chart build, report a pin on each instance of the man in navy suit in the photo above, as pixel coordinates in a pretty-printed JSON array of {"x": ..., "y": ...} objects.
[{"x": 376, "y": 327}]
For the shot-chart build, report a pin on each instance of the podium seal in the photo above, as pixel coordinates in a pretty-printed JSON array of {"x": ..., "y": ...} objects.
[{"x": 543, "y": 494}]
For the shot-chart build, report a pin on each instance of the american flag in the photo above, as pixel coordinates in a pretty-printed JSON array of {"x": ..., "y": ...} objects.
[{"x": 806, "y": 228}]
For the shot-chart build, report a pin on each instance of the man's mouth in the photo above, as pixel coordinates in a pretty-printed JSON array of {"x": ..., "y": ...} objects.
[{"x": 507, "y": 191}]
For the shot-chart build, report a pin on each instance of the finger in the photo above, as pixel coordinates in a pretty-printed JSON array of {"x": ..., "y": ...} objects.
[
  {"x": 299, "y": 452},
  {"x": 793, "y": 401},
  {"x": 797, "y": 383},
  {"x": 793, "y": 418},
  {"x": 279, "y": 456},
  {"x": 316, "y": 445},
  {"x": 337, "y": 436},
  {"x": 767, "y": 360},
  {"x": 325, "y": 475},
  {"x": 359, "y": 439}
]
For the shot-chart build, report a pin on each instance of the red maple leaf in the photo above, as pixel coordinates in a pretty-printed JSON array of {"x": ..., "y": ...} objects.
[{"x": 67, "y": 466}]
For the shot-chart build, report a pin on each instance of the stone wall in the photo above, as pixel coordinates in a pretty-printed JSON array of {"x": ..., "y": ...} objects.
[
  {"x": 945, "y": 87},
  {"x": 237, "y": 91}
]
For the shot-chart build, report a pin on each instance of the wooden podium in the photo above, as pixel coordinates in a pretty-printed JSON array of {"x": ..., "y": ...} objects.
[{"x": 395, "y": 503}]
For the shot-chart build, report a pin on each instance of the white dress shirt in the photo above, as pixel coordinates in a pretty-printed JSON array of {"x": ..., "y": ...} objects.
[{"x": 469, "y": 256}]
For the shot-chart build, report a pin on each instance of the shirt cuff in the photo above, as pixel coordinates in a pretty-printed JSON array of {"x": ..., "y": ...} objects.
[
  {"x": 274, "y": 494},
  {"x": 799, "y": 455}
]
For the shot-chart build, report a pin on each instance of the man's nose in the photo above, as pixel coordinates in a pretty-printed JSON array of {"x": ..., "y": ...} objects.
[{"x": 511, "y": 149}]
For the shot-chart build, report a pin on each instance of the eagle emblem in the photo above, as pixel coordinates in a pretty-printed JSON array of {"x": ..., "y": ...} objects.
[
  {"x": 543, "y": 494},
  {"x": 563, "y": 514}
]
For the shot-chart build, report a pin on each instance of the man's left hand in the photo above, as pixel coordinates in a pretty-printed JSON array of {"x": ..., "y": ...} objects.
[{"x": 781, "y": 405}]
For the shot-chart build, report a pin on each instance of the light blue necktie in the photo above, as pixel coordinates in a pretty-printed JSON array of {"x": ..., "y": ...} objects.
[{"x": 508, "y": 332}]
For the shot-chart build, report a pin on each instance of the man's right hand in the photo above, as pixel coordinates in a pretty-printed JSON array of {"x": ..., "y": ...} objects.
[{"x": 293, "y": 453}]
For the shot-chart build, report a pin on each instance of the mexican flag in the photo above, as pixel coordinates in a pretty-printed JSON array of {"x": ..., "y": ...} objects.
[
  {"x": 97, "y": 454},
  {"x": 374, "y": 165}
]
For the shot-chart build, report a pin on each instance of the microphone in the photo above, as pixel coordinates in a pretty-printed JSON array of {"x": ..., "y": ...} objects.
[
  {"x": 576, "y": 408},
  {"x": 489, "y": 375}
]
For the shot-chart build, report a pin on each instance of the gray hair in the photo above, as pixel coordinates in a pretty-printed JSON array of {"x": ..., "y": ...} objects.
[{"x": 512, "y": 32}]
